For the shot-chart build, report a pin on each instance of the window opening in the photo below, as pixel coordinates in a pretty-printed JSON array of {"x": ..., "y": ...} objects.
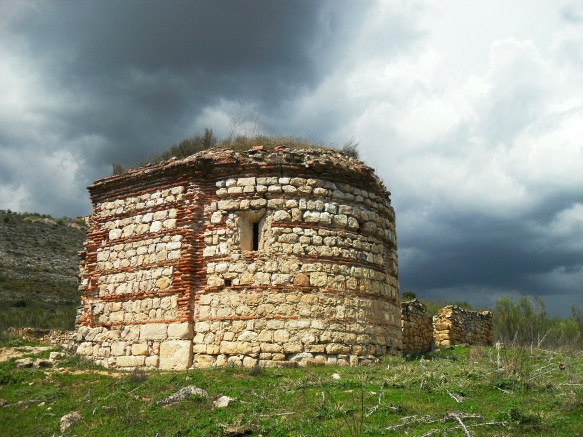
[
  {"x": 256, "y": 236},
  {"x": 250, "y": 230}
]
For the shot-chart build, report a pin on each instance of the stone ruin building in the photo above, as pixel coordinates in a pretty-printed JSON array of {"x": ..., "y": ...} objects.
[
  {"x": 257, "y": 257},
  {"x": 452, "y": 325}
]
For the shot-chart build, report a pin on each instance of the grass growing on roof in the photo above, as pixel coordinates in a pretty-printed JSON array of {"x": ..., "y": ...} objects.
[{"x": 208, "y": 140}]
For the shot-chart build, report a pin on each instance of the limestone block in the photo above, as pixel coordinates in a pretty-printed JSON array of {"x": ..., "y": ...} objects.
[
  {"x": 183, "y": 331},
  {"x": 246, "y": 279},
  {"x": 199, "y": 348},
  {"x": 234, "y": 347},
  {"x": 293, "y": 347},
  {"x": 154, "y": 331},
  {"x": 130, "y": 361},
  {"x": 175, "y": 355},
  {"x": 160, "y": 215},
  {"x": 352, "y": 223},
  {"x": 249, "y": 362},
  {"x": 325, "y": 218},
  {"x": 204, "y": 361},
  {"x": 118, "y": 348},
  {"x": 163, "y": 283},
  {"x": 115, "y": 234},
  {"x": 116, "y": 316},
  {"x": 209, "y": 251},
  {"x": 215, "y": 281},
  {"x": 340, "y": 220},
  {"x": 281, "y": 216},
  {"x": 296, "y": 214},
  {"x": 228, "y": 205},
  {"x": 241, "y": 182},
  {"x": 301, "y": 357},
  {"x": 152, "y": 361},
  {"x": 169, "y": 224},
  {"x": 336, "y": 348},
  {"x": 247, "y": 336},
  {"x": 312, "y": 217},
  {"x": 318, "y": 279},
  {"x": 202, "y": 327},
  {"x": 316, "y": 348},
  {"x": 156, "y": 226},
  {"x": 235, "y": 190},
  {"x": 216, "y": 217},
  {"x": 213, "y": 349},
  {"x": 140, "y": 349}
]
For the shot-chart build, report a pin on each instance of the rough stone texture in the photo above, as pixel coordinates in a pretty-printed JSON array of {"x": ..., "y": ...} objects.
[
  {"x": 175, "y": 354},
  {"x": 454, "y": 325},
  {"x": 49, "y": 336},
  {"x": 253, "y": 258},
  {"x": 417, "y": 327}
]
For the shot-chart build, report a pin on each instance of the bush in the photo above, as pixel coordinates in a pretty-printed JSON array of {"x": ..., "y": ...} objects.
[
  {"x": 408, "y": 295},
  {"x": 208, "y": 140},
  {"x": 525, "y": 323}
]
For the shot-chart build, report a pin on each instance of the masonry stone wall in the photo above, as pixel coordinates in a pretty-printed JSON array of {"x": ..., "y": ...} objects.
[
  {"x": 260, "y": 257},
  {"x": 417, "y": 327},
  {"x": 454, "y": 325}
]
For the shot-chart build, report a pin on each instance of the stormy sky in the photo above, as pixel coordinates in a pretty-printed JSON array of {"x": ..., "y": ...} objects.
[{"x": 471, "y": 112}]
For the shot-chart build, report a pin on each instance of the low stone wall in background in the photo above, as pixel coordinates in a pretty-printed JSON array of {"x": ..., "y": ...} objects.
[
  {"x": 50, "y": 336},
  {"x": 454, "y": 325},
  {"x": 416, "y": 326}
]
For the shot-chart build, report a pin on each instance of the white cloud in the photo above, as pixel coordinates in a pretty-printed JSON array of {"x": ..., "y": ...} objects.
[
  {"x": 564, "y": 230},
  {"x": 13, "y": 198},
  {"x": 498, "y": 144}
]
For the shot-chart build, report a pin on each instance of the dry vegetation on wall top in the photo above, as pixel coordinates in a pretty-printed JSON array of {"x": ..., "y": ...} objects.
[{"x": 208, "y": 140}]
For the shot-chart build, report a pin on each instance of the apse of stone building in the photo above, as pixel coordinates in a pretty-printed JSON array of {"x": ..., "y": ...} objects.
[{"x": 256, "y": 257}]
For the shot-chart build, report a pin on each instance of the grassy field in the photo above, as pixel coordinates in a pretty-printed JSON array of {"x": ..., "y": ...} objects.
[{"x": 464, "y": 391}]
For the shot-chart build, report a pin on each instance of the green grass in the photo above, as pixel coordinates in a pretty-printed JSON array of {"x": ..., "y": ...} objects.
[{"x": 534, "y": 393}]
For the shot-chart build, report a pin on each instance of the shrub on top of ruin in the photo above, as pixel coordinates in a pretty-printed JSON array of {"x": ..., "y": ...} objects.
[
  {"x": 118, "y": 169},
  {"x": 189, "y": 146},
  {"x": 269, "y": 142},
  {"x": 408, "y": 295},
  {"x": 434, "y": 307},
  {"x": 350, "y": 148},
  {"x": 208, "y": 140}
]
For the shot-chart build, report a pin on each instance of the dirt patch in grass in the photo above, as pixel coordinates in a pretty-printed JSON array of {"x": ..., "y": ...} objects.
[{"x": 7, "y": 353}]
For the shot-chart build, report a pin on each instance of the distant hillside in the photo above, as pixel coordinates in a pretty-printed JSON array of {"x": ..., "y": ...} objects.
[{"x": 38, "y": 270}]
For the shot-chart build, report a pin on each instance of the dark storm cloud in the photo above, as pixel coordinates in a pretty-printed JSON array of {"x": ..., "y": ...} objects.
[
  {"x": 144, "y": 70},
  {"x": 483, "y": 203},
  {"x": 179, "y": 35},
  {"x": 479, "y": 258}
]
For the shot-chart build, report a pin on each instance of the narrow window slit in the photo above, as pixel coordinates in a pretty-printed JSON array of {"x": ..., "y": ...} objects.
[{"x": 256, "y": 236}]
